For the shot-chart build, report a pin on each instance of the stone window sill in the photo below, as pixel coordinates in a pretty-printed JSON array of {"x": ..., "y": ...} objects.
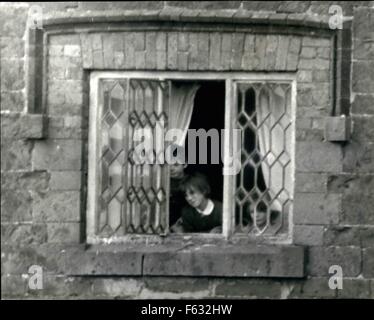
[{"x": 279, "y": 261}]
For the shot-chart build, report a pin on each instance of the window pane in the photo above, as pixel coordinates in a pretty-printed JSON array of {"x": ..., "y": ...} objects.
[
  {"x": 146, "y": 200},
  {"x": 111, "y": 159},
  {"x": 264, "y": 185},
  {"x": 131, "y": 194}
]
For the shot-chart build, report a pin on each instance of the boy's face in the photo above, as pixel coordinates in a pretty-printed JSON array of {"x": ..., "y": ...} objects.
[
  {"x": 194, "y": 197},
  {"x": 177, "y": 170}
]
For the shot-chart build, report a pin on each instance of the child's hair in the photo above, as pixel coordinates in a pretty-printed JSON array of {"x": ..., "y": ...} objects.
[{"x": 196, "y": 180}]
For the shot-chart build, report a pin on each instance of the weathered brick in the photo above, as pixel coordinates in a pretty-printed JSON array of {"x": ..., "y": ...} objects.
[
  {"x": 363, "y": 49},
  {"x": 367, "y": 236},
  {"x": 260, "y": 51},
  {"x": 12, "y": 100},
  {"x": 271, "y": 52},
  {"x": 65, "y": 97},
  {"x": 30, "y": 180},
  {"x": 140, "y": 59},
  {"x": 363, "y": 128},
  {"x": 96, "y": 262},
  {"x": 317, "y": 208},
  {"x": 85, "y": 43},
  {"x": 308, "y": 52},
  {"x": 172, "y": 50},
  {"x": 363, "y": 104},
  {"x": 72, "y": 50},
  {"x": 12, "y": 47},
  {"x": 363, "y": 77},
  {"x": 13, "y": 21},
  {"x": 13, "y": 286},
  {"x": 311, "y": 288},
  {"x": 251, "y": 288},
  {"x": 108, "y": 51},
  {"x": 193, "y": 51},
  {"x": 322, "y": 258},
  {"x": 309, "y": 135},
  {"x": 358, "y": 157},
  {"x": 305, "y": 76},
  {"x": 150, "y": 45},
  {"x": 358, "y": 209},
  {"x": 62, "y": 287},
  {"x": 22, "y": 126},
  {"x": 318, "y": 157},
  {"x": 368, "y": 263},
  {"x": 342, "y": 236},
  {"x": 64, "y": 39},
  {"x": 311, "y": 182},
  {"x": 176, "y": 285},
  {"x": 321, "y": 75},
  {"x": 227, "y": 261},
  {"x": 350, "y": 184},
  {"x": 17, "y": 259},
  {"x": 57, "y": 155},
  {"x": 292, "y": 61},
  {"x": 117, "y": 287},
  {"x": 281, "y": 58},
  {"x": 183, "y": 43},
  {"x": 308, "y": 235},
  {"x": 24, "y": 234},
  {"x": 295, "y": 45},
  {"x": 305, "y": 96},
  {"x": 98, "y": 59},
  {"x": 238, "y": 45},
  {"x": 65, "y": 180},
  {"x": 316, "y": 42},
  {"x": 12, "y": 74},
  {"x": 57, "y": 206},
  {"x": 362, "y": 23},
  {"x": 15, "y": 155},
  {"x": 354, "y": 289},
  {"x": 62, "y": 232},
  {"x": 16, "y": 206},
  {"x": 128, "y": 41},
  {"x": 59, "y": 128}
]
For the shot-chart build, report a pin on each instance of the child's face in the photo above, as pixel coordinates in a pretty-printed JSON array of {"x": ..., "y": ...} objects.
[
  {"x": 177, "y": 170},
  {"x": 194, "y": 197},
  {"x": 260, "y": 218}
]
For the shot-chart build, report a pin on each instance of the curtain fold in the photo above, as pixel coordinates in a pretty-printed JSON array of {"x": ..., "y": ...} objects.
[
  {"x": 181, "y": 108},
  {"x": 274, "y": 141}
]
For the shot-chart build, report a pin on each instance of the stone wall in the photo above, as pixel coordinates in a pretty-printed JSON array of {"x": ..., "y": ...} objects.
[{"x": 44, "y": 156}]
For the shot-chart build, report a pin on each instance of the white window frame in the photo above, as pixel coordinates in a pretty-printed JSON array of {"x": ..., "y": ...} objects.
[{"x": 230, "y": 78}]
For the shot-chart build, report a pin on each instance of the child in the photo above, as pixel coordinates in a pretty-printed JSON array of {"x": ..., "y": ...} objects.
[
  {"x": 177, "y": 200},
  {"x": 202, "y": 214}
]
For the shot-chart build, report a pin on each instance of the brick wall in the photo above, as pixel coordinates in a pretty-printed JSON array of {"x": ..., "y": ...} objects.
[{"x": 43, "y": 158}]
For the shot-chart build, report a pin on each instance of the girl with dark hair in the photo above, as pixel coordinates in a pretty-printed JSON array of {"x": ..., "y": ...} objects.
[{"x": 202, "y": 214}]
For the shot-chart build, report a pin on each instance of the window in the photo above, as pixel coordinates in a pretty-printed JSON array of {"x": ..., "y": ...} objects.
[{"x": 126, "y": 199}]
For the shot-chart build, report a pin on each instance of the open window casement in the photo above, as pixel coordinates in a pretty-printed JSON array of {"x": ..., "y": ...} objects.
[
  {"x": 264, "y": 186},
  {"x": 128, "y": 189}
]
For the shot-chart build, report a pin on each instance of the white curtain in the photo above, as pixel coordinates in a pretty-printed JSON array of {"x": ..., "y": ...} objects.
[
  {"x": 273, "y": 105},
  {"x": 181, "y": 107}
]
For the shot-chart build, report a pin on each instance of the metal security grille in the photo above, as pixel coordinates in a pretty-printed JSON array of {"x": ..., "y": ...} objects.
[
  {"x": 264, "y": 185},
  {"x": 132, "y": 193}
]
